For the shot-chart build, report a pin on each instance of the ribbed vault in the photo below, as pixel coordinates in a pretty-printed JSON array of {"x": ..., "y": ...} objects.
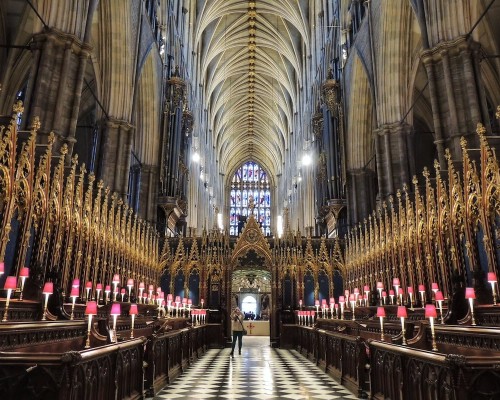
[{"x": 251, "y": 63}]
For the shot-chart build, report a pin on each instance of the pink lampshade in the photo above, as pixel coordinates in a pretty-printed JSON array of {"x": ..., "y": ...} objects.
[
  {"x": 332, "y": 300},
  {"x": 391, "y": 292},
  {"x": 133, "y": 309},
  {"x": 177, "y": 299},
  {"x": 184, "y": 300},
  {"x": 336, "y": 305},
  {"x": 470, "y": 293},
  {"x": 10, "y": 283},
  {"x": 492, "y": 277},
  {"x": 434, "y": 286},
  {"x": 108, "y": 288},
  {"x": 88, "y": 285},
  {"x": 402, "y": 313},
  {"x": 2, "y": 267},
  {"x": 421, "y": 288},
  {"x": 356, "y": 291},
  {"x": 380, "y": 312},
  {"x": 142, "y": 285},
  {"x": 316, "y": 302},
  {"x": 170, "y": 297},
  {"x": 91, "y": 308},
  {"x": 74, "y": 292},
  {"x": 366, "y": 288},
  {"x": 190, "y": 302},
  {"x": 380, "y": 285},
  {"x": 410, "y": 289},
  {"x": 98, "y": 286},
  {"x": 430, "y": 311},
  {"x": 151, "y": 287},
  {"x": 48, "y": 288},
  {"x": 116, "y": 278},
  {"x": 346, "y": 293},
  {"x": 144, "y": 295},
  {"x": 351, "y": 297},
  {"x": 130, "y": 282},
  {"x": 123, "y": 291},
  {"x": 341, "y": 299},
  {"x": 313, "y": 313},
  {"x": 400, "y": 291},
  {"x": 384, "y": 294},
  {"x": 116, "y": 309},
  {"x": 158, "y": 289},
  {"x": 395, "y": 282},
  {"x": 323, "y": 302},
  {"x": 24, "y": 273},
  {"x": 76, "y": 283},
  {"x": 439, "y": 296}
]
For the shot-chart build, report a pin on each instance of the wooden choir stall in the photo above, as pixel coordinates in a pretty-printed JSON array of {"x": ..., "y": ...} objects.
[
  {"x": 82, "y": 314},
  {"x": 418, "y": 316}
]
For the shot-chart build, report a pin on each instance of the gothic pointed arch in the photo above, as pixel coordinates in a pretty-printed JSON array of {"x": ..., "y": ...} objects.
[{"x": 251, "y": 240}]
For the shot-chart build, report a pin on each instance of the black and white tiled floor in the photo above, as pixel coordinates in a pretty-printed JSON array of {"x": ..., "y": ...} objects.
[{"x": 260, "y": 372}]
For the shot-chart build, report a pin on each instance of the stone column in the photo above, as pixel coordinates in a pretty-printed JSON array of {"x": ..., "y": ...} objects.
[
  {"x": 392, "y": 157},
  {"x": 148, "y": 193},
  {"x": 56, "y": 84},
  {"x": 456, "y": 94},
  {"x": 362, "y": 193},
  {"x": 114, "y": 155}
]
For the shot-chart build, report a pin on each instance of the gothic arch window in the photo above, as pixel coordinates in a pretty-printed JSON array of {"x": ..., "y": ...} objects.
[{"x": 250, "y": 181}]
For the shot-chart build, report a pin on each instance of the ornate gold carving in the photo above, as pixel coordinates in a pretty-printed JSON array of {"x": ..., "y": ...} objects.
[
  {"x": 72, "y": 230},
  {"x": 433, "y": 236},
  {"x": 330, "y": 89}
]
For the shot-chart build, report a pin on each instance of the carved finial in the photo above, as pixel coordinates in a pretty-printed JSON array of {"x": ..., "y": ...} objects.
[
  {"x": 18, "y": 107},
  {"x": 463, "y": 143},
  {"x": 64, "y": 150},
  {"x": 91, "y": 178},
  {"x": 437, "y": 166},
  {"x": 251, "y": 204},
  {"x": 447, "y": 154},
  {"x": 414, "y": 180},
  {"x": 35, "y": 125},
  {"x": 100, "y": 184},
  {"x": 398, "y": 194},
  {"x": 480, "y": 129},
  {"x": 51, "y": 138},
  {"x": 425, "y": 173},
  {"x": 498, "y": 112}
]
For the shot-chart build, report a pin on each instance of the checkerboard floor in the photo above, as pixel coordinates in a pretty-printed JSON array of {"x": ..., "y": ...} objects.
[{"x": 260, "y": 372}]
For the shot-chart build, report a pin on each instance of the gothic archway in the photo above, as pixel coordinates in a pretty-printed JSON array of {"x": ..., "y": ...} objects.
[{"x": 252, "y": 274}]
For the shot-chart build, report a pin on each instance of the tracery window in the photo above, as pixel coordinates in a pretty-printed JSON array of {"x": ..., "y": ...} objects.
[{"x": 250, "y": 182}]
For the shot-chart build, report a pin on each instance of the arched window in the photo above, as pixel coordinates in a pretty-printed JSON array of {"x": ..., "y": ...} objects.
[{"x": 250, "y": 181}]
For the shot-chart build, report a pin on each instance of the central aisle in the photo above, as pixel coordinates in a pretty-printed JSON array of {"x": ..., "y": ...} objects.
[{"x": 260, "y": 372}]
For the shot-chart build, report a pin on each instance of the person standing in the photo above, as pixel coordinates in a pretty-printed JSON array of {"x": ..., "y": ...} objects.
[{"x": 237, "y": 327}]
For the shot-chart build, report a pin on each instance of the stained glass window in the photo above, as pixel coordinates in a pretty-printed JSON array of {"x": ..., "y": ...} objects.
[{"x": 250, "y": 182}]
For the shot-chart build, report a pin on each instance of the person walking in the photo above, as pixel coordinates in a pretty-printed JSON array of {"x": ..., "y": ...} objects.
[{"x": 237, "y": 327}]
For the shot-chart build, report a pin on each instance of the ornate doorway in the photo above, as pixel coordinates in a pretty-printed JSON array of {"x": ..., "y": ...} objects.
[{"x": 251, "y": 276}]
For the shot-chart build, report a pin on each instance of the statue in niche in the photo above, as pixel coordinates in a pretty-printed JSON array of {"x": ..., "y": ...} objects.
[{"x": 264, "y": 307}]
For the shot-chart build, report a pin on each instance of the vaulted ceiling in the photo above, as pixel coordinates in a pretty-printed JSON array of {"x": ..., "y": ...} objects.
[{"x": 252, "y": 64}]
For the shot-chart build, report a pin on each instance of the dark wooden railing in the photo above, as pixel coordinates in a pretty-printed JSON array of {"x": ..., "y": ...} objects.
[
  {"x": 107, "y": 372},
  {"x": 465, "y": 365}
]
